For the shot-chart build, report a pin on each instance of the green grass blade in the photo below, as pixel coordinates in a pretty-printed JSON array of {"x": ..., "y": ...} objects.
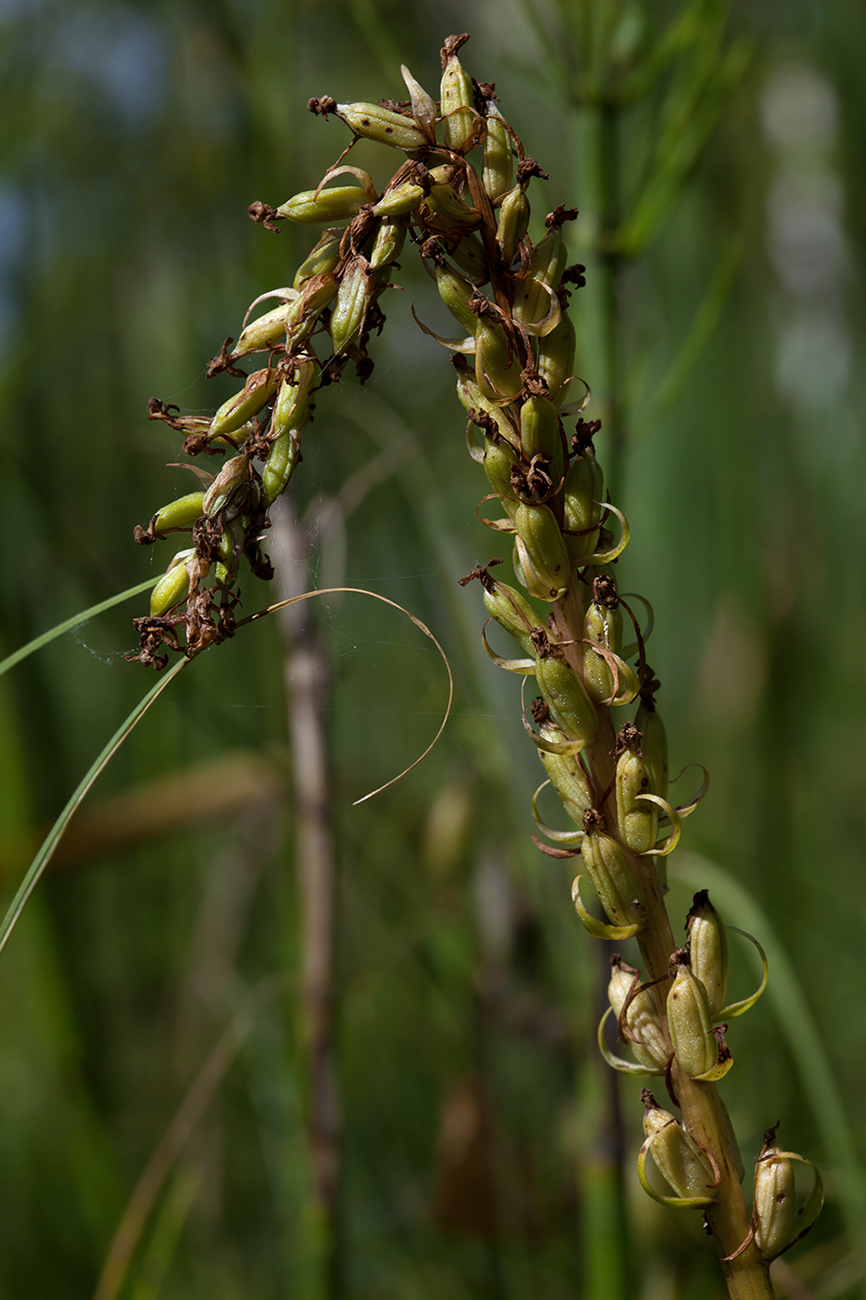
[
  {"x": 77, "y": 619},
  {"x": 51, "y": 841}
]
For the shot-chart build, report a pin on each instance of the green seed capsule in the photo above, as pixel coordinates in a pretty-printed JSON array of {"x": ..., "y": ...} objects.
[
  {"x": 512, "y": 224},
  {"x": 680, "y": 1160},
  {"x": 486, "y": 413},
  {"x": 456, "y": 102},
  {"x": 708, "y": 951},
  {"x": 256, "y": 393},
  {"x": 584, "y": 484},
  {"x": 455, "y": 292},
  {"x": 774, "y": 1204},
  {"x": 564, "y": 693},
  {"x": 540, "y": 432},
  {"x": 546, "y": 265},
  {"x": 541, "y": 548},
  {"x": 234, "y": 474},
  {"x": 638, "y": 820},
  {"x": 602, "y": 625},
  {"x": 172, "y": 587},
  {"x": 495, "y": 368},
  {"x": 469, "y": 256},
  {"x": 556, "y": 358},
  {"x": 654, "y": 746},
  {"x": 566, "y": 775},
  {"x": 513, "y": 612},
  {"x": 611, "y": 874},
  {"x": 499, "y": 460},
  {"x": 423, "y": 105},
  {"x": 179, "y": 514},
  {"x": 388, "y": 243},
  {"x": 321, "y": 261},
  {"x": 353, "y": 300},
  {"x": 642, "y": 1019},
  {"x": 340, "y": 203},
  {"x": 304, "y": 312},
  {"x": 399, "y": 202},
  {"x": 283, "y": 457},
  {"x": 498, "y": 159},
  {"x": 372, "y": 122},
  {"x": 265, "y": 332},
  {"x": 691, "y": 1026},
  {"x": 448, "y": 209}
]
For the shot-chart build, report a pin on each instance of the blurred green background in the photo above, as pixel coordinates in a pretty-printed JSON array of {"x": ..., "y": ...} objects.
[{"x": 482, "y": 1151}]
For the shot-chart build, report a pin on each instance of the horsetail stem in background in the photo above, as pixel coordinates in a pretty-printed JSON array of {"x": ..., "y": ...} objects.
[{"x": 459, "y": 195}]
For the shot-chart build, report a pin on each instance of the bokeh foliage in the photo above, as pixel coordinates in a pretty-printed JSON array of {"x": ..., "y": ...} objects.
[{"x": 135, "y": 137}]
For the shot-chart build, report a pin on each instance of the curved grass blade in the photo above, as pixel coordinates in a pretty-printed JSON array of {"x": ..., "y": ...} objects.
[
  {"x": 52, "y": 839},
  {"x": 77, "y": 619}
]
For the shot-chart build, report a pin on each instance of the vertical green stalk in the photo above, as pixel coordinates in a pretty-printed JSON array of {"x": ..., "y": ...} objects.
[
  {"x": 307, "y": 683},
  {"x": 607, "y": 164}
]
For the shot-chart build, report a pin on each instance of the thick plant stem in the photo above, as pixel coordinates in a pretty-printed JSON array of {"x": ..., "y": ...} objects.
[
  {"x": 306, "y": 686},
  {"x": 610, "y": 265},
  {"x": 747, "y": 1275}
]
